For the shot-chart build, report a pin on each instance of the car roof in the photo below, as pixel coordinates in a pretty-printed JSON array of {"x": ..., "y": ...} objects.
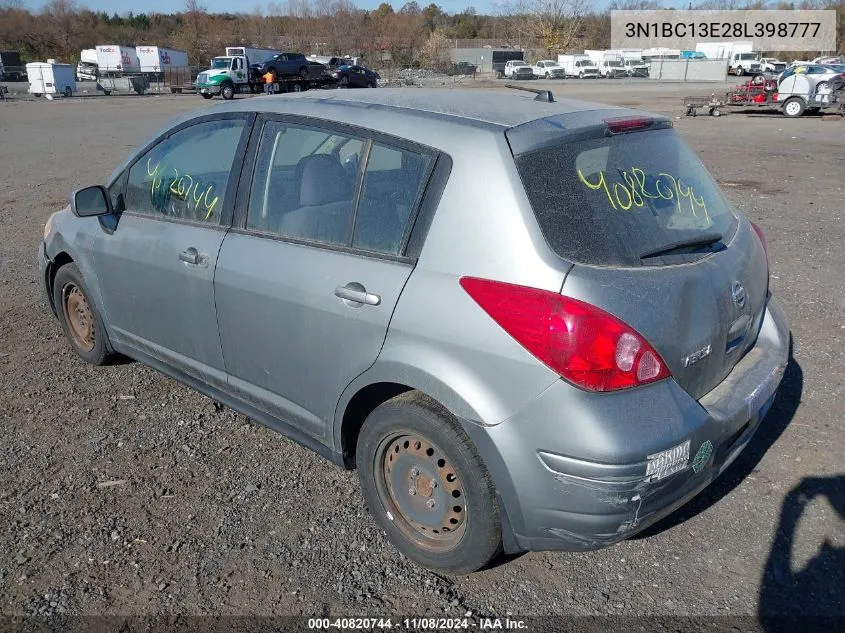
[{"x": 485, "y": 107}]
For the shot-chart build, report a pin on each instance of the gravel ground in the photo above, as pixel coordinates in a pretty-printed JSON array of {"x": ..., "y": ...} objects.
[{"x": 127, "y": 493}]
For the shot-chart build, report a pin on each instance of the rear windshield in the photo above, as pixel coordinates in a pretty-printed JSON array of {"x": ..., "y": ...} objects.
[{"x": 609, "y": 201}]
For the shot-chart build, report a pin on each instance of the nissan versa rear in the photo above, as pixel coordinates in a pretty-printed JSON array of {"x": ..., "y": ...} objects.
[{"x": 530, "y": 325}]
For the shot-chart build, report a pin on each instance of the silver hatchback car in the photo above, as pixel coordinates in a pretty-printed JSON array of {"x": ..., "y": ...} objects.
[{"x": 530, "y": 324}]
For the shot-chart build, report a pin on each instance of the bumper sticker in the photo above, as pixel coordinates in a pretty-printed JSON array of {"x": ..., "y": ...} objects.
[
  {"x": 667, "y": 462},
  {"x": 702, "y": 457}
]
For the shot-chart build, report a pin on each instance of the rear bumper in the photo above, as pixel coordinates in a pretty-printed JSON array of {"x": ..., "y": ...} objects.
[{"x": 572, "y": 469}]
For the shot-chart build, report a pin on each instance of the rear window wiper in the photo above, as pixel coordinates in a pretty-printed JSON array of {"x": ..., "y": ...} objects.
[{"x": 707, "y": 239}]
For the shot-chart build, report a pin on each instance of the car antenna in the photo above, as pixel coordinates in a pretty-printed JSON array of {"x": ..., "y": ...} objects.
[{"x": 542, "y": 95}]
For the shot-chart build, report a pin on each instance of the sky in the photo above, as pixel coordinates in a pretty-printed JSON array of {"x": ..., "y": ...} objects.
[{"x": 248, "y": 6}]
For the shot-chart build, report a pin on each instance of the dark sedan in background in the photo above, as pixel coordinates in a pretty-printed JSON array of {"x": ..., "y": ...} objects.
[{"x": 355, "y": 77}]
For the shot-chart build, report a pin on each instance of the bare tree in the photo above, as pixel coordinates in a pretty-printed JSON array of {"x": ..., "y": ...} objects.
[{"x": 553, "y": 23}]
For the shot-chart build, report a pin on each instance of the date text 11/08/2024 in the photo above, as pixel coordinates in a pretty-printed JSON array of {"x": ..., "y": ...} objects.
[{"x": 416, "y": 624}]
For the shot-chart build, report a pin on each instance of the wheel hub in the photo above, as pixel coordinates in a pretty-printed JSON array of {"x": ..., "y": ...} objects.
[
  {"x": 426, "y": 494},
  {"x": 79, "y": 317}
]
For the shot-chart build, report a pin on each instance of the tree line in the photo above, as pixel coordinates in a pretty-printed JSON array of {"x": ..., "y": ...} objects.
[{"x": 411, "y": 34}]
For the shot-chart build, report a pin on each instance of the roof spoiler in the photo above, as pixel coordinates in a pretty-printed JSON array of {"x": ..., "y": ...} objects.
[{"x": 542, "y": 95}]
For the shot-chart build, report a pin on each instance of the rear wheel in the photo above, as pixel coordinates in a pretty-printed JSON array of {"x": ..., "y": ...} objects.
[
  {"x": 793, "y": 107},
  {"x": 80, "y": 319},
  {"x": 427, "y": 487},
  {"x": 822, "y": 85}
]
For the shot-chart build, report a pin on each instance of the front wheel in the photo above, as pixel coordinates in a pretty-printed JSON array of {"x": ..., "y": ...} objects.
[
  {"x": 206, "y": 95},
  {"x": 80, "y": 318},
  {"x": 580, "y": 75},
  {"x": 227, "y": 91},
  {"x": 738, "y": 71},
  {"x": 427, "y": 487},
  {"x": 793, "y": 107},
  {"x": 371, "y": 85},
  {"x": 344, "y": 82},
  {"x": 303, "y": 72}
]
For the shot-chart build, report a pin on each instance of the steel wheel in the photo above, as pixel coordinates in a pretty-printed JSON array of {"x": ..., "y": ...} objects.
[
  {"x": 422, "y": 491},
  {"x": 79, "y": 317}
]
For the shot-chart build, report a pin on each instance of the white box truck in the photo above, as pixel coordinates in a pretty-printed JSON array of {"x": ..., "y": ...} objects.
[
  {"x": 154, "y": 59},
  {"x": 578, "y": 65},
  {"x": 740, "y": 56},
  {"x": 51, "y": 78},
  {"x": 113, "y": 59}
]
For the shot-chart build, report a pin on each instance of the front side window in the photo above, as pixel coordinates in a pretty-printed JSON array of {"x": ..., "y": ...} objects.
[{"x": 185, "y": 176}]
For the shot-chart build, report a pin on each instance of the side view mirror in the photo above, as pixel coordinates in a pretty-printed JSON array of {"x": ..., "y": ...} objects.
[{"x": 90, "y": 202}]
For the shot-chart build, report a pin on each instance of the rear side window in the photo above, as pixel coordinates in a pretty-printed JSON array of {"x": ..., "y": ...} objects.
[
  {"x": 393, "y": 182},
  {"x": 610, "y": 201}
]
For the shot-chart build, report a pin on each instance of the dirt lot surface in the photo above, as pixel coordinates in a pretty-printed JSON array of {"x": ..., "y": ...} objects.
[{"x": 124, "y": 492}]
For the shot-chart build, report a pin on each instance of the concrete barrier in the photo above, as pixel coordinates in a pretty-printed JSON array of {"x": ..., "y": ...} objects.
[{"x": 688, "y": 69}]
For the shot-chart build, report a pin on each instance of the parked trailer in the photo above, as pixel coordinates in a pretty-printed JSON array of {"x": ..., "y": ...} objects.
[
  {"x": 179, "y": 79},
  {"x": 128, "y": 83},
  {"x": 153, "y": 60},
  {"x": 117, "y": 60},
  {"x": 51, "y": 78}
]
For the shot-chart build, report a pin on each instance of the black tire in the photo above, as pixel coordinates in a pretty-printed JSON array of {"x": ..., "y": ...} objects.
[
  {"x": 580, "y": 75},
  {"x": 822, "y": 85},
  {"x": 344, "y": 82},
  {"x": 303, "y": 72},
  {"x": 227, "y": 91},
  {"x": 370, "y": 84},
  {"x": 80, "y": 318},
  {"x": 206, "y": 96},
  {"x": 439, "y": 460},
  {"x": 738, "y": 71},
  {"x": 794, "y": 107},
  {"x": 68, "y": 92},
  {"x": 107, "y": 92},
  {"x": 500, "y": 74}
]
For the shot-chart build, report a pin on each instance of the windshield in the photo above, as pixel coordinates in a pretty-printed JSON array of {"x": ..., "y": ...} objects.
[
  {"x": 606, "y": 201},
  {"x": 615, "y": 64},
  {"x": 221, "y": 62},
  {"x": 748, "y": 56}
]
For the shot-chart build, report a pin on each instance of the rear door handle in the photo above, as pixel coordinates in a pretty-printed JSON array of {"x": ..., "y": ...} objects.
[
  {"x": 192, "y": 256},
  {"x": 356, "y": 293}
]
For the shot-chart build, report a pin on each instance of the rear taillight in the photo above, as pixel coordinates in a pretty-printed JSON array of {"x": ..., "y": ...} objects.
[{"x": 584, "y": 344}]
